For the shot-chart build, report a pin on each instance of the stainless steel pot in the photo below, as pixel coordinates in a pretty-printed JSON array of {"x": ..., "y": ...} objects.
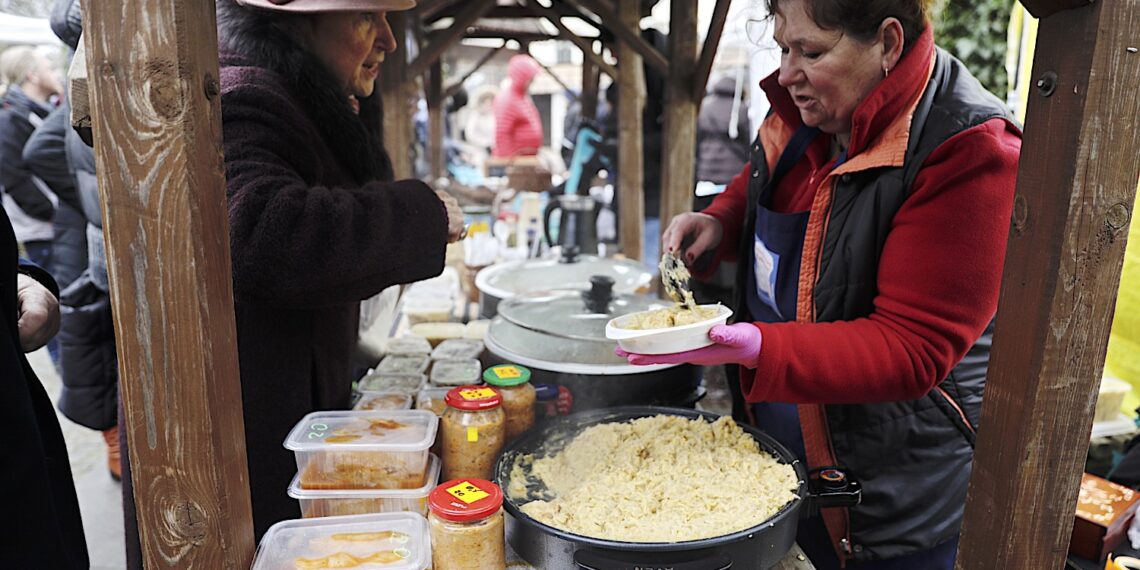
[
  {"x": 505, "y": 280},
  {"x": 757, "y": 548},
  {"x": 560, "y": 336}
]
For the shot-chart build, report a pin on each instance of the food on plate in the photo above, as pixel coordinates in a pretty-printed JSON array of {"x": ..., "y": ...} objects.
[
  {"x": 675, "y": 316},
  {"x": 619, "y": 481}
]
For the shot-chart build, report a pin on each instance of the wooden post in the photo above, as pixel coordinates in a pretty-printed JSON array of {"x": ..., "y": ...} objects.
[
  {"x": 680, "y": 135},
  {"x": 631, "y": 167},
  {"x": 589, "y": 98},
  {"x": 158, "y": 142},
  {"x": 629, "y": 35},
  {"x": 708, "y": 53},
  {"x": 472, "y": 10},
  {"x": 1076, "y": 183},
  {"x": 395, "y": 90},
  {"x": 435, "y": 118}
]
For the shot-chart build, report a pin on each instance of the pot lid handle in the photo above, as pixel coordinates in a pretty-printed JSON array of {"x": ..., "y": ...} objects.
[{"x": 600, "y": 295}]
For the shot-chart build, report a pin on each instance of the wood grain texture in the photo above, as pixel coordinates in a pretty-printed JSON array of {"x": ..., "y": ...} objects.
[
  {"x": 680, "y": 134},
  {"x": 1079, "y": 164},
  {"x": 157, "y": 124},
  {"x": 589, "y": 99},
  {"x": 395, "y": 91},
  {"x": 77, "y": 92},
  {"x": 631, "y": 167}
]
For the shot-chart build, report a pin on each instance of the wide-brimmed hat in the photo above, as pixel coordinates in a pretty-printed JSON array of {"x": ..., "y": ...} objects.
[{"x": 331, "y": 5}]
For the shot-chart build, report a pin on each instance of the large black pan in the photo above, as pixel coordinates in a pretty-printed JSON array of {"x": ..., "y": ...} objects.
[{"x": 757, "y": 548}]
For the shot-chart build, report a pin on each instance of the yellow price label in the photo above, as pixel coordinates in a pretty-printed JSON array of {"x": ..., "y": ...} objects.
[
  {"x": 508, "y": 372},
  {"x": 467, "y": 492},
  {"x": 472, "y": 434},
  {"x": 477, "y": 394}
]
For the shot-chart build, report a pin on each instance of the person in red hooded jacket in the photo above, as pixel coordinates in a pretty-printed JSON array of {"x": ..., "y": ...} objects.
[{"x": 518, "y": 127}]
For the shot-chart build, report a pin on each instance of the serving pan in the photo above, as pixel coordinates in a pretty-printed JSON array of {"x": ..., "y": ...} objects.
[{"x": 757, "y": 548}]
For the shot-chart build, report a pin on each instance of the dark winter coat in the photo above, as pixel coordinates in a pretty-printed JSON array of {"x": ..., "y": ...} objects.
[
  {"x": 314, "y": 229},
  {"x": 41, "y": 526},
  {"x": 45, "y": 156},
  {"x": 720, "y": 157},
  {"x": 18, "y": 120}
]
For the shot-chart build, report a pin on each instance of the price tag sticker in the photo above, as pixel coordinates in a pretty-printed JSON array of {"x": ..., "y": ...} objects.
[
  {"x": 477, "y": 394},
  {"x": 468, "y": 492},
  {"x": 508, "y": 372},
  {"x": 472, "y": 434}
]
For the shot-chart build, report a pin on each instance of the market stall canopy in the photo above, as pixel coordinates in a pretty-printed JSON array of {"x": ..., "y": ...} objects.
[{"x": 24, "y": 30}]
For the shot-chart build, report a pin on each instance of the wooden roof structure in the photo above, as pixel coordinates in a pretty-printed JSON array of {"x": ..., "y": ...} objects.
[{"x": 156, "y": 116}]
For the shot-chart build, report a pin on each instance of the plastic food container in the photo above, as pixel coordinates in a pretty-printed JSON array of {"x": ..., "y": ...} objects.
[
  {"x": 458, "y": 349},
  {"x": 363, "y": 450},
  {"x": 364, "y": 501},
  {"x": 407, "y": 345},
  {"x": 403, "y": 364},
  {"x": 406, "y": 383},
  {"x": 428, "y": 310},
  {"x": 436, "y": 333},
  {"x": 456, "y": 372},
  {"x": 392, "y": 541},
  {"x": 383, "y": 401},
  {"x": 466, "y": 525},
  {"x": 432, "y": 398},
  {"x": 665, "y": 341},
  {"x": 1110, "y": 398}
]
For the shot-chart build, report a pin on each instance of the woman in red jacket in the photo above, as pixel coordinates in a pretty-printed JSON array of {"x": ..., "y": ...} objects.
[
  {"x": 871, "y": 226},
  {"x": 518, "y": 126}
]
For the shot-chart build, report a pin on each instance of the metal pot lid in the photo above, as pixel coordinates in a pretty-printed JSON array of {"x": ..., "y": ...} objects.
[
  {"x": 505, "y": 280},
  {"x": 562, "y": 328}
]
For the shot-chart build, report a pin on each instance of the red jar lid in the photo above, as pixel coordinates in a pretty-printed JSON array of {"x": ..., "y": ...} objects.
[
  {"x": 465, "y": 500},
  {"x": 473, "y": 398}
]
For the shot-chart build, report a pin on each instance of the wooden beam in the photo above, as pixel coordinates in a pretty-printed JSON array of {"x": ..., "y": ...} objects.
[
  {"x": 472, "y": 10},
  {"x": 1076, "y": 186},
  {"x": 708, "y": 53},
  {"x": 677, "y": 162},
  {"x": 589, "y": 98},
  {"x": 555, "y": 77},
  {"x": 429, "y": 8},
  {"x": 455, "y": 87},
  {"x": 394, "y": 89},
  {"x": 626, "y": 32},
  {"x": 435, "y": 119},
  {"x": 523, "y": 38},
  {"x": 498, "y": 13},
  {"x": 156, "y": 113},
  {"x": 631, "y": 161},
  {"x": 583, "y": 44}
]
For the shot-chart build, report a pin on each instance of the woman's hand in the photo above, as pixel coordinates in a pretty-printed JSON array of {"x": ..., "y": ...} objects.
[
  {"x": 705, "y": 231},
  {"x": 734, "y": 344},
  {"x": 454, "y": 216},
  {"x": 38, "y": 312}
]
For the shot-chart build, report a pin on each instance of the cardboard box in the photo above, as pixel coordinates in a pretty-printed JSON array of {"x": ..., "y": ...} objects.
[{"x": 1104, "y": 511}]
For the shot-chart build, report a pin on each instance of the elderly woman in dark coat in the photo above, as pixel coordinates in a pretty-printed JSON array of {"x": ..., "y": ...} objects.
[{"x": 316, "y": 223}]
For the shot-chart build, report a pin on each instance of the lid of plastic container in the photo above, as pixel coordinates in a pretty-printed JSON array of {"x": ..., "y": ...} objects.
[
  {"x": 403, "y": 364},
  {"x": 465, "y": 500},
  {"x": 431, "y": 479},
  {"x": 473, "y": 398},
  {"x": 393, "y": 541},
  {"x": 393, "y": 431},
  {"x": 383, "y": 382},
  {"x": 457, "y": 349},
  {"x": 507, "y": 375},
  {"x": 384, "y": 401},
  {"x": 543, "y": 392},
  {"x": 407, "y": 345},
  {"x": 456, "y": 372}
]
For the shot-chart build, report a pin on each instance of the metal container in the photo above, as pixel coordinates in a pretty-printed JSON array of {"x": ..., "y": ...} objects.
[
  {"x": 505, "y": 280},
  {"x": 560, "y": 335},
  {"x": 757, "y": 548}
]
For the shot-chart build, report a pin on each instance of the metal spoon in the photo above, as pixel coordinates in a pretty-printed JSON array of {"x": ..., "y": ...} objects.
[{"x": 675, "y": 277}]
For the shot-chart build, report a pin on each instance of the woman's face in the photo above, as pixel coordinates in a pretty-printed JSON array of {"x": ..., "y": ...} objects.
[
  {"x": 826, "y": 71},
  {"x": 352, "y": 45}
]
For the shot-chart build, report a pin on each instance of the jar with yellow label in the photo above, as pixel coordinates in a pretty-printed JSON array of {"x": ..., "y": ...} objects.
[
  {"x": 472, "y": 432},
  {"x": 466, "y": 525},
  {"x": 513, "y": 383}
]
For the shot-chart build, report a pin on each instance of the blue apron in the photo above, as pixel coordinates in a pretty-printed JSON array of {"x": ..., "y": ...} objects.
[{"x": 771, "y": 295}]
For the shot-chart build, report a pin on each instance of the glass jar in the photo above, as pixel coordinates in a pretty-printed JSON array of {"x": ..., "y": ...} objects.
[
  {"x": 466, "y": 526},
  {"x": 472, "y": 432},
  {"x": 519, "y": 397}
]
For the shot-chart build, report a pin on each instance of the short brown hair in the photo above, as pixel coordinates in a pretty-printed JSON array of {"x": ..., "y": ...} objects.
[{"x": 861, "y": 18}]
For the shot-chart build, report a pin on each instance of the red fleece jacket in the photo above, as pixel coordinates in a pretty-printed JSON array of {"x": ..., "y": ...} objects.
[{"x": 940, "y": 270}]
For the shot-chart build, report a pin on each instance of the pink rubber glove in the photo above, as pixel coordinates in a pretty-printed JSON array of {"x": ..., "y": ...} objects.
[{"x": 735, "y": 344}]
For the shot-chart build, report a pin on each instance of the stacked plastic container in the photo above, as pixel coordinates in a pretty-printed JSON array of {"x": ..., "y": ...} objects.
[{"x": 393, "y": 541}]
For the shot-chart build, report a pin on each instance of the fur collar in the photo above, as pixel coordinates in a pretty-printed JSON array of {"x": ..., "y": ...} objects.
[{"x": 254, "y": 37}]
